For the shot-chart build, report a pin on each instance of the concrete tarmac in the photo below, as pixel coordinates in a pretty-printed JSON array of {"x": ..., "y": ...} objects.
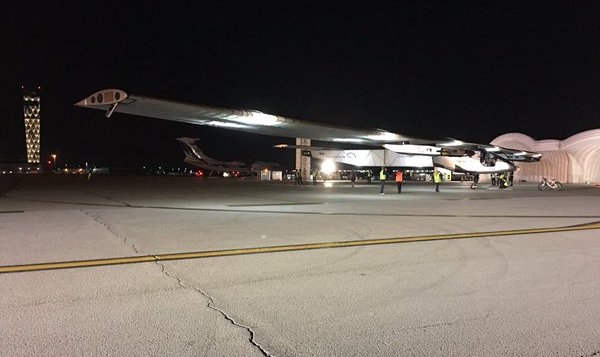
[{"x": 526, "y": 294}]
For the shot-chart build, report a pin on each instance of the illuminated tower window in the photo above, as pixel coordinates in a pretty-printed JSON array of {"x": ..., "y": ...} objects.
[{"x": 31, "y": 113}]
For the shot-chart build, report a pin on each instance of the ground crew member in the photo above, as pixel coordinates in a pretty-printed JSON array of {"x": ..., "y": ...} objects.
[
  {"x": 399, "y": 179},
  {"x": 502, "y": 180},
  {"x": 382, "y": 178},
  {"x": 475, "y": 181},
  {"x": 437, "y": 178}
]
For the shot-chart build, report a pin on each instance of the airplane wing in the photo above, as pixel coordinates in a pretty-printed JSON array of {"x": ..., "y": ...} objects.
[
  {"x": 503, "y": 153},
  {"x": 116, "y": 100}
]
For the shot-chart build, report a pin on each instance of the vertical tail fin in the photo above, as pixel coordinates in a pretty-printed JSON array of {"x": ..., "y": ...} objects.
[
  {"x": 195, "y": 156},
  {"x": 192, "y": 151}
]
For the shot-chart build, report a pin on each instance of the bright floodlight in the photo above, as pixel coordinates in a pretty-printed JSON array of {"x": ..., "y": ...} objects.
[
  {"x": 328, "y": 167},
  {"x": 256, "y": 118},
  {"x": 348, "y": 140},
  {"x": 226, "y": 124},
  {"x": 494, "y": 149},
  {"x": 453, "y": 143},
  {"x": 383, "y": 135}
]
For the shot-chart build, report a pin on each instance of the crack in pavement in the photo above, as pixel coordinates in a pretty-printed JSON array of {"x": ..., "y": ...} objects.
[
  {"x": 98, "y": 219},
  {"x": 597, "y": 353},
  {"x": 210, "y": 305}
]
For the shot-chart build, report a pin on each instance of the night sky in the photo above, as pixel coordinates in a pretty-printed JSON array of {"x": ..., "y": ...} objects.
[{"x": 469, "y": 70}]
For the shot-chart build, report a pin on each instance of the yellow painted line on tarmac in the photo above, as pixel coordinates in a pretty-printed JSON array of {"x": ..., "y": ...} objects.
[{"x": 286, "y": 248}]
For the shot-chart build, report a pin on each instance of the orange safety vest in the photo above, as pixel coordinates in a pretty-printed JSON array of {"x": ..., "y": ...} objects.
[{"x": 399, "y": 176}]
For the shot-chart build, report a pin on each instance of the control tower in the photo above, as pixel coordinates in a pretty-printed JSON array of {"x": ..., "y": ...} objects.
[{"x": 31, "y": 113}]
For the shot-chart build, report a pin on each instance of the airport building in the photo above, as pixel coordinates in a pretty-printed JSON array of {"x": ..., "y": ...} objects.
[{"x": 572, "y": 160}]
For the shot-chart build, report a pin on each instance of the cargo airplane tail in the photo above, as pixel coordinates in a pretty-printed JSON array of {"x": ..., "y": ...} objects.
[{"x": 195, "y": 157}]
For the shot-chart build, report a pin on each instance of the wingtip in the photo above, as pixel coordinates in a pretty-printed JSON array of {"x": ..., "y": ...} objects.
[{"x": 81, "y": 103}]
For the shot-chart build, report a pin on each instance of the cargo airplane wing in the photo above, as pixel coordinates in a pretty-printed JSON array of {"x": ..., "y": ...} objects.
[{"x": 116, "y": 100}]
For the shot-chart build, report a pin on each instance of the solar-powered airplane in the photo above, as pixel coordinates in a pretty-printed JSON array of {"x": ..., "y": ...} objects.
[{"x": 385, "y": 148}]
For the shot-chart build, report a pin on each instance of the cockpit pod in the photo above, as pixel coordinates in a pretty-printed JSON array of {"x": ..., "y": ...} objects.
[{"x": 105, "y": 97}]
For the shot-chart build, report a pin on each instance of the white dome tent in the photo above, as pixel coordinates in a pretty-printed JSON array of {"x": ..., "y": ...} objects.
[{"x": 573, "y": 160}]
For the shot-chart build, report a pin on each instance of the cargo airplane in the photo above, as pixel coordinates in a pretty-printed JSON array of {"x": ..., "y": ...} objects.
[
  {"x": 195, "y": 157},
  {"x": 382, "y": 148}
]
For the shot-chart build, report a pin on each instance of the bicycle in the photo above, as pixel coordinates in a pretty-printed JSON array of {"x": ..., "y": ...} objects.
[{"x": 549, "y": 185}]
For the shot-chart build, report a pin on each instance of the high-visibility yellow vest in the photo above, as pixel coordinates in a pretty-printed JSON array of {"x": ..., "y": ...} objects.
[
  {"x": 382, "y": 175},
  {"x": 437, "y": 177}
]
